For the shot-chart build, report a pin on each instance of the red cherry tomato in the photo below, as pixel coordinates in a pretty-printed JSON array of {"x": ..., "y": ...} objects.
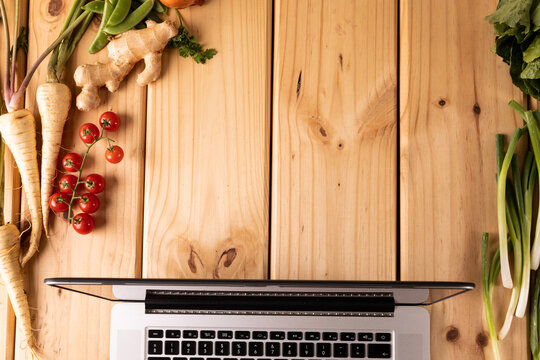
[
  {"x": 59, "y": 202},
  {"x": 67, "y": 183},
  {"x": 83, "y": 223},
  {"x": 94, "y": 183},
  {"x": 114, "y": 154},
  {"x": 89, "y": 133},
  {"x": 89, "y": 203},
  {"x": 72, "y": 162},
  {"x": 109, "y": 121}
]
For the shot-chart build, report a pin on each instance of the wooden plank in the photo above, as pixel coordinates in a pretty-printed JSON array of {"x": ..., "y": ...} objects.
[
  {"x": 453, "y": 95},
  {"x": 207, "y": 150},
  {"x": 12, "y": 193},
  {"x": 72, "y": 326},
  {"x": 334, "y": 140}
]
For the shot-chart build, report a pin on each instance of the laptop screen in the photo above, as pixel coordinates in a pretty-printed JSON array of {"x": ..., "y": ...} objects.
[{"x": 137, "y": 290}]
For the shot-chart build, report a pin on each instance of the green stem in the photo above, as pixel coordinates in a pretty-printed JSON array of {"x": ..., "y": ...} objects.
[
  {"x": 80, "y": 170},
  {"x": 487, "y": 292},
  {"x": 7, "y": 92},
  {"x": 28, "y": 77},
  {"x": 501, "y": 210},
  {"x": 14, "y": 55}
]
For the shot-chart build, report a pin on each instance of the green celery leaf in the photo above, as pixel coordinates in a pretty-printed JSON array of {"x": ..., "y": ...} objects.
[
  {"x": 533, "y": 50},
  {"x": 513, "y": 13},
  {"x": 531, "y": 71}
]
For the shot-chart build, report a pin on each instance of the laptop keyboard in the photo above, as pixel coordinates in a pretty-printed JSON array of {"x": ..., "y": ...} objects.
[{"x": 186, "y": 344}]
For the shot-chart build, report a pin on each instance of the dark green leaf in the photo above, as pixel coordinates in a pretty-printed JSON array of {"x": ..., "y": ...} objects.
[
  {"x": 513, "y": 13},
  {"x": 188, "y": 46},
  {"x": 532, "y": 70}
]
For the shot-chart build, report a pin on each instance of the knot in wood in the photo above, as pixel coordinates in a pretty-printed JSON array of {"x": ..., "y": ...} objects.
[
  {"x": 482, "y": 340},
  {"x": 476, "y": 109},
  {"x": 55, "y": 7},
  {"x": 452, "y": 335},
  {"x": 442, "y": 102}
]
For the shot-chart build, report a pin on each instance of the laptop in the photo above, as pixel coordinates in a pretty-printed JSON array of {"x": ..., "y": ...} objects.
[{"x": 157, "y": 319}]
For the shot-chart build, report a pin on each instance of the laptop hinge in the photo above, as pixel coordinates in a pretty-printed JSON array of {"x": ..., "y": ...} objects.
[{"x": 269, "y": 303}]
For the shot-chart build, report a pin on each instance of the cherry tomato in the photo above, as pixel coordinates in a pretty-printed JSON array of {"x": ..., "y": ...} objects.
[
  {"x": 89, "y": 203},
  {"x": 89, "y": 133},
  {"x": 114, "y": 154},
  {"x": 67, "y": 183},
  {"x": 72, "y": 162},
  {"x": 180, "y": 4},
  {"x": 59, "y": 202},
  {"x": 83, "y": 223},
  {"x": 109, "y": 121},
  {"x": 94, "y": 183}
]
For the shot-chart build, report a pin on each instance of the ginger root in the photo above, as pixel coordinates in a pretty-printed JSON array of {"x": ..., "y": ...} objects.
[{"x": 125, "y": 51}]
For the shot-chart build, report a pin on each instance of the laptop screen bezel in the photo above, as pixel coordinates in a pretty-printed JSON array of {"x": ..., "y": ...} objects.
[{"x": 459, "y": 287}]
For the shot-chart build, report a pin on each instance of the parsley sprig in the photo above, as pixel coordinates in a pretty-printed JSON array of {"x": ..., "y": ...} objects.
[{"x": 188, "y": 46}]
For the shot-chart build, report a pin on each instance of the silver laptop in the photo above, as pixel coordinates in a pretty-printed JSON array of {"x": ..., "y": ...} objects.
[{"x": 262, "y": 320}]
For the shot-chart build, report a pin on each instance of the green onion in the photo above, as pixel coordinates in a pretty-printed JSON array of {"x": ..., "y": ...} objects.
[
  {"x": 501, "y": 210},
  {"x": 488, "y": 281}
]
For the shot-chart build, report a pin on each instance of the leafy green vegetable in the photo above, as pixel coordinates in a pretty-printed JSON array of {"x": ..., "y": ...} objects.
[
  {"x": 188, "y": 46},
  {"x": 533, "y": 51},
  {"x": 512, "y": 13}
]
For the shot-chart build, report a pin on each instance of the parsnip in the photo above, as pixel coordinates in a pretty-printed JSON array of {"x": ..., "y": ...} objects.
[
  {"x": 53, "y": 100},
  {"x": 10, "y": 272},
  {"x": 18, "y": 129}
]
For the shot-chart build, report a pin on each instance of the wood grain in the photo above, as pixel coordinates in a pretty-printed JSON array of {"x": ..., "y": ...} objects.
[
  {"x": 453, "y": 100},
  {"x": 207, "y": 150},
  {"x": 334, "y": 140},
  {"x": 72, "y": 326},
  {"x": 12, "y": 192}
]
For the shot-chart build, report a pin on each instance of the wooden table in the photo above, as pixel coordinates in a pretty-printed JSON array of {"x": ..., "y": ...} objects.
[{"x": 345, "y": 139}]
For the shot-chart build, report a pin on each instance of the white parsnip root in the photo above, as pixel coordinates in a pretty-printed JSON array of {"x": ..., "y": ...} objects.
[
  {"x": 18, "y": 129},
  {"x": 11, "y": 275},
  {"x": 124, "y": 52},
  {"x": 54, "y": 101}
]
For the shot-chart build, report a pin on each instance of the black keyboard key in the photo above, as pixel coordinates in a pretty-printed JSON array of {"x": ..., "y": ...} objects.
[
  {"x": 260, "y": 335},
  {"x": 348, "y": 336},
  {"x": 179, "y": 358},
  {"x": 208, "y": 334},
  {"x": 189, "y": 348},
  {"x": 223, "y": 348},
  {"x": 213, "y": 358},
  {"x": 332, "y": 336},
  {"x": 380, "y": 351},
  {"x": 190, "y": 334},
  {"x": 155, "y": 333},
  {"x": 224, "y": 334},
  {"x": 307, "y": 349},
  {"x": 205, "y": 348},
  {"x": 239, "y": 348},
  {"x": 358, "y": 350},
  {"x": 247, "y": 359},
  {"x": 313, "y": 336},
  {"x": 175, "y": 334},
  {"x": 273, "y": 349},
  {"x": 365, "y": 337},
  {"x": 256, "y": 348},
  {"x": 155, "y": 347},
  {"x": 277, "y": 335},
  {"x": 172, "y": 348},
  {"x": 323, "y": 350},
  {"x": 294, "y": 335},
  {"x": 383, "y": 336},
  {"x": 244, "y": 335},
  {"x": 290, "y": 349},
  {"x": 197, "y": 358},
  {"x": 341, "y": 350}
]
